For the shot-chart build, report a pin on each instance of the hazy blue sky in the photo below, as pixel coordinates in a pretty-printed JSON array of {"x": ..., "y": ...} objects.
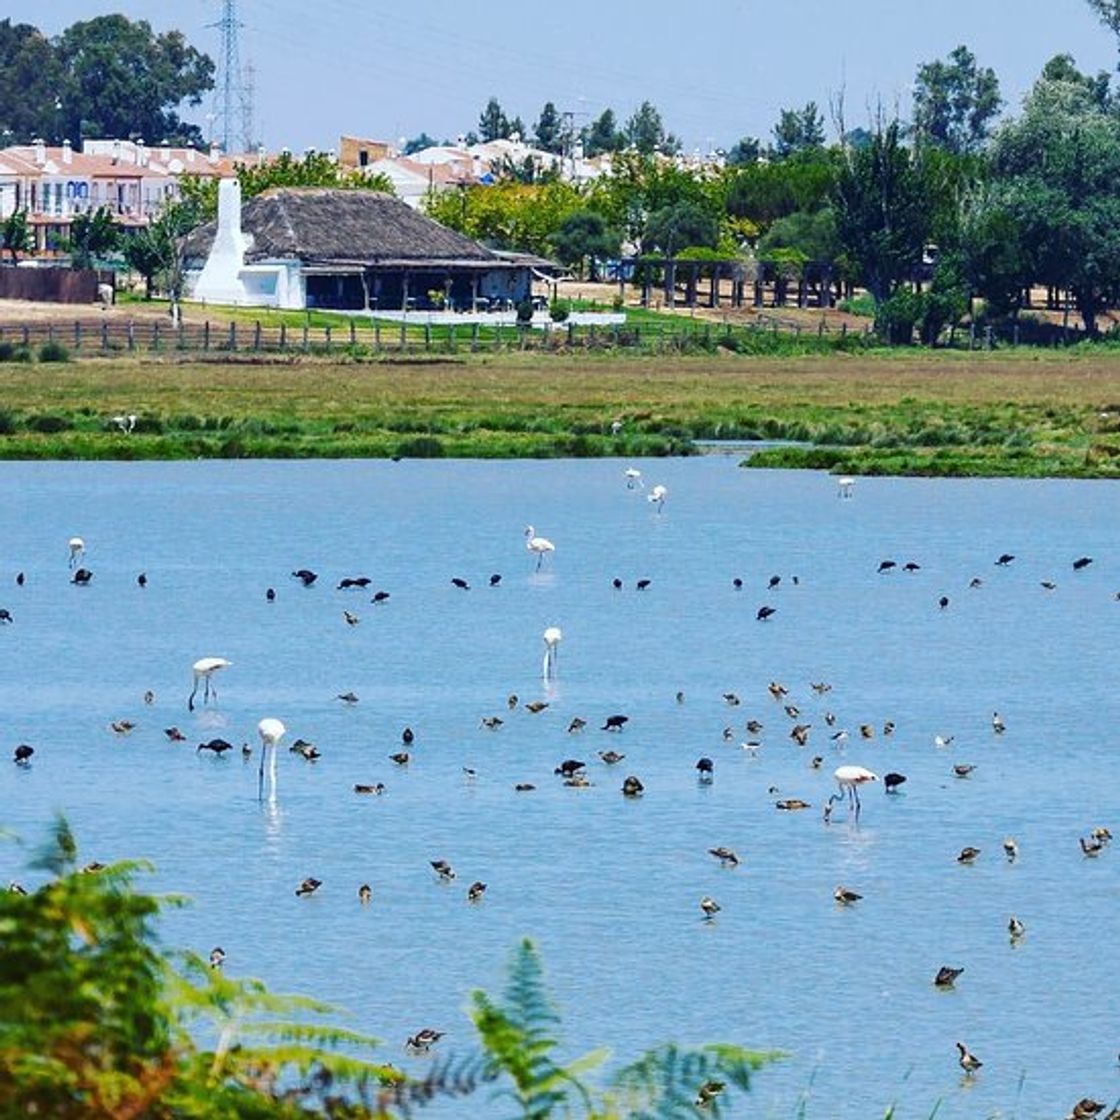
[{"x": 716, "y": 70}]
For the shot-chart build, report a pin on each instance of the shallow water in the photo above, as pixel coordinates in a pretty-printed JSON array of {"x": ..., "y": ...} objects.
[{"x": 609, "y": 887}]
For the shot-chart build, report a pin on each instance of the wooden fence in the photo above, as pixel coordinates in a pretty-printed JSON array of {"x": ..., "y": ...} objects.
[{"x": 113, "y": 335}]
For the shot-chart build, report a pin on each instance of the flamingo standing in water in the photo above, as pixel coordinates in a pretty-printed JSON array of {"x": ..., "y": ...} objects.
[
  {"x": 849, "y": 779},
  {"x": 537, "y": 545},
  {"x": 633, "y": 478},
  {"x": 271, "y": 732},
  {"x": 77, "y": 550},
  {"x": 657, "y": 496},
  {"x": 552, "y": 638},
  {"x": 204, "y": 668}
]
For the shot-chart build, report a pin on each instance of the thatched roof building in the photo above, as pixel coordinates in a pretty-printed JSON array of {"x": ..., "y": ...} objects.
[{"x": 319, "y": 247}]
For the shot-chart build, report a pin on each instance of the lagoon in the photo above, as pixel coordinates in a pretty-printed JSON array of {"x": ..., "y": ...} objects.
[{"x": 609, "y": 886}]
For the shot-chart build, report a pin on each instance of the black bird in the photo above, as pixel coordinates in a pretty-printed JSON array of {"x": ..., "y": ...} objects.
[
  {"x": 5, "y": 615},
  {"x": 218, "y": 746},
  {"x": 174, "y": 734},
  {"x": 611, "y": 757},
  {"x": 82, "y": 577},
  {"x": 737, "y": 583},
  {"x": 443, "y": 869},
  {"x": 306, "y": 576},
  {"x": 1082, "y": 562},
  {"x": 270, "y": 595},
  {"x": 774, "y": 581},
  {"x": 943, "y": 602},
  {"x": 408, "y": 736},
  {"x": 309, "y": 886},
  {"x": 642, "y": 584},
  {"x": 632, "y": 787},
  {"x": 765, "y": 612},
  {"x": 358, "y": 581},
  {"x": 705, "y": 768},
  {"x": 1004, "y": 559},
  {"x": 460, "y": 583},
  {"x": 476, "y": 890},
  {"x": 615, "y": 723},
  {"x": 946, "y": 976},
  {"x": 911, "y": 566},
  {"x": 23, "y": 754},
  {"x": 142, "y": 580},
  {"x": 495, "y": 579},
  {"x": 892, "y": 781},
  {"x": 379, "y": 597},
  {"x": 569, "y": 768},
  {"x": 424, "y": 1040},
  {"x": 401, "y": 758},
  {"x": 616, "y": 583},
  {"x": 886, "y": 565},
  {"x": 19, "y": 579}
]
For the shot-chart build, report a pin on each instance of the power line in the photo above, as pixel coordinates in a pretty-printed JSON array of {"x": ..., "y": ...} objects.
[{"x": 233, "y": 98}]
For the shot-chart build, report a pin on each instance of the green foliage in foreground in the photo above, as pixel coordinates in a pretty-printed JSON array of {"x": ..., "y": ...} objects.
[{"x": 98, "y": 1022}]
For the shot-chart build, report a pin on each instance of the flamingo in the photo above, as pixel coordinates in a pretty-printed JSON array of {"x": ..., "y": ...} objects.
[
  {"x": 633, "y": 478},
  {"x": 552, "y": 638},
  {"x": 271, "y": 732},
  {"x": 657, "y": 496},
  {"x": 77, "y": 550},
  {"x": 844, "y": 486},
  {"x": 204, "y": 668},
  {"x": 537, "y": 545},
  {"x": 849, "y": 779}
]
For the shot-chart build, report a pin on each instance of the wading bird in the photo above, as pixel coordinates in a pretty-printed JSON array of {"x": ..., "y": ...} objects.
[
  {"x": 657, "y": 496},
  {"x": 204, "y": 668},
  {"x": 77, "y": 550},
  {"x": 538, "y": 546},
  {"x": 552, "y": 638},
  {"x": 849, "y": 779},
  {"x": 271, "y": 731}
]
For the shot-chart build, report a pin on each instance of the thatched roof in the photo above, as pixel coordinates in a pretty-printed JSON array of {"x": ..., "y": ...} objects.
[{"x": 321, "y": 225}]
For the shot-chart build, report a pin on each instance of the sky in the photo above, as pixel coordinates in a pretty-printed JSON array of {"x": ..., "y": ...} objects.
[{"x": 717, "y": 71}]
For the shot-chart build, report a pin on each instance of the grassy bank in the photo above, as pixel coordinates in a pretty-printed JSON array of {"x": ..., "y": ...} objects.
[{"x": 1030, "y": 413}]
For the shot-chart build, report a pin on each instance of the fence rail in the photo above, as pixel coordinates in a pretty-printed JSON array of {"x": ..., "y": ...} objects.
[{"x": 93, "y": 336}]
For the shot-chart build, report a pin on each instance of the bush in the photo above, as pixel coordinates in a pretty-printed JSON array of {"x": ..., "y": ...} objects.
[
  {"x": 559, "y": 310},
  {"x": 524, "y": 312},
  {"x": 48, "y": 424},
  {"x": 53, "y": 352},
  {"x": 10, "y": 352},
  {"x": 422, "y": 447},
  {"x": 897, "y": 316}
]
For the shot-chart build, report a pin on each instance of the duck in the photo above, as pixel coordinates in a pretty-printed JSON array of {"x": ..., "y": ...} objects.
[
  {"x": 969, "y": 1062},
  {"x": 376, "y": 788},
  {"x": 710, "y": 907},
  {"x": 845, "y": 896},
  {"x": 632, "y": 786},
  {"x": 308, "y": 886},
  {"x": 217, "y": 957},
  {"x": 569, "y": 768},
  {"x": 306, "y": 576},
  {"x": 611, "y": 757},
  {"x": 443, "y": 869},
  {"x": 726, "y": 856},
  {"x": 577, "y": 723},
  {"x": 968, "y": 854},
  {"x": 365, "y": 893},
  {"x": 423, "y": 1040},
  {"x": 963, "y": 769},
  {"x": 946, "y": 976},
  {"x": 1011, "y": 848},
  {"x": 1015, "y": 928},
  {"x": 792, "y": 804},
  {"x": 476, "y": 890},
  {"x": 536, "y": 706}
]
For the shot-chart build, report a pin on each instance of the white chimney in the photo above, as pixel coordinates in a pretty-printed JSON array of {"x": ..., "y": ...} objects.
[
  {"x": 215, "y": 152},
  {"x": 67, "y": 152},
  {"x": 142, "y": 154},
  {"x": 116, "y": 151},
  {"x": 40, "y": 152},
  {"x": 260, "y": 155},
  {"x": 190, "y": 155},
  {"x": 220, "y": 279}
]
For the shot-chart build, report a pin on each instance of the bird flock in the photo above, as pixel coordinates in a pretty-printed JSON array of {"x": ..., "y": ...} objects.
[{"x": 805, "y": 717}]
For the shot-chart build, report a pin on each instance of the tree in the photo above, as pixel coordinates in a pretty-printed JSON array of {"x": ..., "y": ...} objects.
[
  {"x": 765, "y": 192},
  {"x": 92, "y": 235},
  {"x": 15, "y": 235},
  {"x": 798, "y": 130},
  {"x": 584, "y": 235},
  {"x": 645, "y": 132},
  {"x": 955, "y": 102},
  {"x": 680, "y": 225},
  {"x": 418, "y": 144},
  {"x": 744, "y": 152},
  {"x": 1063, "y": 68},
  {"x": 121, "y": 79},
  {"x": 517, "y": 128},
  {"x": 549, "y": 130},
  {"x": 883, "y": 211},
  {"x": 30, "y": 80},
  {"x": 1108, "y": 12},
  {"x": 603, "y": 135},
  {"x": 811, "y": 234},
  {"x": 492, "y": 124}
]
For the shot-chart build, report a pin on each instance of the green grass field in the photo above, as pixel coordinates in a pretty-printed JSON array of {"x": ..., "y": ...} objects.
[{"x": 1031, "y": 413}]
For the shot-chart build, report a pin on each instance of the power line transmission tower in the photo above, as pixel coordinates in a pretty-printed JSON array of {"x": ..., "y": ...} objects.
[
  {"x": 232, "y": 102},
  {"x": 249, "y": 78}
]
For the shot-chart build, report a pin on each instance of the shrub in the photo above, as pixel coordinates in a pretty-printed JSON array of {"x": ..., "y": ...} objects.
[
  {"x": 53, "y": 352},
  {"x": 48, "y": 424},
  {"x": 559, "y": 310},
  {"x": 422, "y": 447},
  {"x": 524, "y": 312}
]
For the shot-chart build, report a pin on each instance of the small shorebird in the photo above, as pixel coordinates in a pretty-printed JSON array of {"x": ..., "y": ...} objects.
[
  {"x": 217, "y": 956},
  {"x": 1011, "y": 849},
  {"x": 705, "y": 768},
  {"x": 969, "y": 1062},
  {"x": 491, "y": 723},
  {"x": 792, "y": 804},
  {"x": 963, "y": 769},
  {"x": 611, "y": 757},
  {"x": 536, "y": 706},
  {"x": 377, "y": 788},
  {"x": 707, "y": 1093},
  {"x": 364, "y": 894},
  {"x": 998, "y": 726},
  {"x": 569, "y": 768},
  {"x": 632, "y": 787},
  {"x": 968, "y": 855},
  {"x": 476, "y": 890},
  {"x": 423, "y": 1040},
  {"x": 308, "y": 886},
  {"x": 443, "y": 869},
  {"x": 710, "y": 907},
  {"x": 1015, "y": 928},
  {"x": 845, "y": 896},
  {"x": 726, "y": 856},
  {"x": 578, "y": 723},
  {"x": 347, "y": 697}
]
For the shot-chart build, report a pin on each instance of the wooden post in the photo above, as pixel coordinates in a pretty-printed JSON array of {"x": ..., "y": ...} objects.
[
  {"x": 404, "y": 340},
  {"x": 233, "y": 338},
  {"x": 377, "y": 336},
  {"x": 353, "y": 334},
  {"x": 155, "y": 334},
  {"x": 257, "y": 335},
  {"x": 474, "y": 329},
  {"x": 26, "y": 335},
  {"x": 77, "y": 335},
  {"x": 104, "y": 335},
  {"x": 283, "y": 336},
  {"x": 131, "y": 336},
  {"x": 50, "y": 332},
  {"x": 206, "y": 335},
  {"x": 327, "y": 336},
  {"x": 306, "y": 340},
  {"x": 427, "y": 337}
]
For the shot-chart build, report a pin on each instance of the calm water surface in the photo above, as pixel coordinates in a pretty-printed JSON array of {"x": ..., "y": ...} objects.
[{"x": 608, "y": 886}]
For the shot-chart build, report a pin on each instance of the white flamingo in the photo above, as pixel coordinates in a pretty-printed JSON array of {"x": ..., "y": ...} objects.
[
  {"x": 204, "y": 668},
  {"x": 77, "y": 550},
  {"x": 657, "y": 495},
  {"x": 844, "y": 486},
  {"x": 553, "y": 635},
  {"x": 849, "y": 779},
  {"x": 633, "y": 478},
  {"x": 271, "y": 732},
  {"x": 537, "y": 545}
]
